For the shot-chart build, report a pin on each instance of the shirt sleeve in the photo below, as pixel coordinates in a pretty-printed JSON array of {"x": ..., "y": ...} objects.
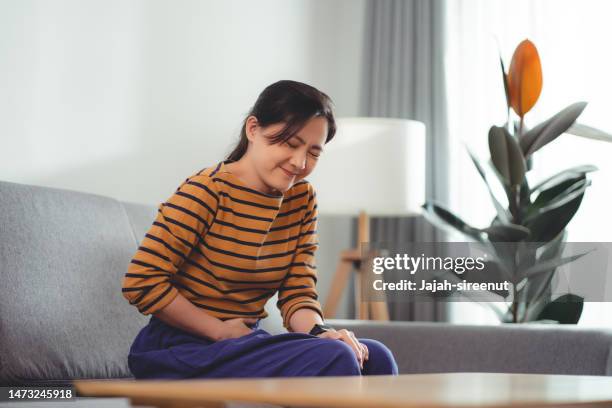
[
  {"x": 180, "y": 223},
  {"x": 298, "y": 289}
]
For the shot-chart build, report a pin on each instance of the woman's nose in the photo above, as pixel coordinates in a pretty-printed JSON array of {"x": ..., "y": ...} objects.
[{"x": 298, "y": 160}]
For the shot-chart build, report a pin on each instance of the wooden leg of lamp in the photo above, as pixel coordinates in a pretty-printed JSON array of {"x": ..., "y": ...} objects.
[
  {"x": 343, "y": 271},
  {"x": 349, "y": 259},
  {"x": 380, "y": 311},
  {"x": 361, "y": 283},
  {"x": 376, "y": 301},
  {"x": 365, "y": 308},
  {"x": 361, "y": 304}
]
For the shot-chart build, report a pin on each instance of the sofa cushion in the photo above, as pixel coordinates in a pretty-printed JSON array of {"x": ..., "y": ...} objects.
[{"x": 62, "y": 259}]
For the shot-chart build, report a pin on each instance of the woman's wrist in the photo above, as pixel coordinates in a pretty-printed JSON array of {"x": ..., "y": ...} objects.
[
  {"x": 320, "y": 328},
  {"x": 214, "y": 329},
  {"x": 304, "y": 319},
  {"x": 183, "y": 314}
]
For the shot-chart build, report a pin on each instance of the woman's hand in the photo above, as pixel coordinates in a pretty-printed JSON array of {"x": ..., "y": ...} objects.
[
  {"x": 234, "y": 328},
  {"x": 360, "y": 349}
]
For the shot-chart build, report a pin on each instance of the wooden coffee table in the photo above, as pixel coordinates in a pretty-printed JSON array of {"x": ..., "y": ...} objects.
[{"x": 411, "y": 390}]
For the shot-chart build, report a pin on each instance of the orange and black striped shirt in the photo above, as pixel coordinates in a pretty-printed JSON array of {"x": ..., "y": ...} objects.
[{"x": 228, "y": 248}]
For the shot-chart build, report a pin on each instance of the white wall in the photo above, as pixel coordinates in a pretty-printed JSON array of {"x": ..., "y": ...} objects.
[{"x": 128, "y": 98}]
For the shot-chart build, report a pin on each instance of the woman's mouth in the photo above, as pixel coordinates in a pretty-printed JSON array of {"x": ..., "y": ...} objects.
[{"x": 288, "y": 173}]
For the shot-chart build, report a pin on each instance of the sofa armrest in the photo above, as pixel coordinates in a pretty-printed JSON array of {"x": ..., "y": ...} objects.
[{"x": 426, "y": 347}]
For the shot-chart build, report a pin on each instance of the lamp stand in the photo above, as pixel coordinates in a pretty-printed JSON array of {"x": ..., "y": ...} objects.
[{"x": 355, "y": 260}]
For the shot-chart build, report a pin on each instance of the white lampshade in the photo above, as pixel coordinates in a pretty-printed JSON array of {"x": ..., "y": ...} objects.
[{"x": 372, "y": 164}]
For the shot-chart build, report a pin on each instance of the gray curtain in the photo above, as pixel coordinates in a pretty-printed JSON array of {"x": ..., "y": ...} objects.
[{"x": 404, "y": 78}]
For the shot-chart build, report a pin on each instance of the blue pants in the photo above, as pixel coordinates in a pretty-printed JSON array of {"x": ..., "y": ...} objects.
[{"x": 163, "y": 351}]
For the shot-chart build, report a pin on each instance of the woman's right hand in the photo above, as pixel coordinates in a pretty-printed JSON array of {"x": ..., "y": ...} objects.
[
  {"x": 234, "y": 328},
  {"x": 360, "y": 349}
]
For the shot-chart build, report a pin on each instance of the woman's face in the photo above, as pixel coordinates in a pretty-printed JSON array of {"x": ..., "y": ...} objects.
[{"x": 281, "y": 165}]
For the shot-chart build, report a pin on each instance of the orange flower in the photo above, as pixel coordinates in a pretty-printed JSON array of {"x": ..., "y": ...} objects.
[{"x": 524, "y": 78}]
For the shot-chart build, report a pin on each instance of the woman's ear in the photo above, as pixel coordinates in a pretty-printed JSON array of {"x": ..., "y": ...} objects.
[{"x": 251, "y": 126}]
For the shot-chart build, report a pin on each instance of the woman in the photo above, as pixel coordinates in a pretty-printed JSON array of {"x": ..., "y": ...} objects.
[{"x": 227, "y": 240}]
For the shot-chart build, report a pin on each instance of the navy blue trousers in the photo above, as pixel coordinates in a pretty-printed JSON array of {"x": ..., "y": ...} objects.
[{"x": 163, "y": 351}]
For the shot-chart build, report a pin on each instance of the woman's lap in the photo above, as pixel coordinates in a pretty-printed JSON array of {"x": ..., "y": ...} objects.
[{"x": 162, "y": 351}]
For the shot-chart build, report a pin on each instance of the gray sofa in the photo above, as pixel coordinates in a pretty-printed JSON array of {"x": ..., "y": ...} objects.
[{"x": 62, "y": 316}]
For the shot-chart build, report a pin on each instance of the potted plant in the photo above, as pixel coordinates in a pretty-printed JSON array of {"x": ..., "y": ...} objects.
[{"x": 528, "y": 234}]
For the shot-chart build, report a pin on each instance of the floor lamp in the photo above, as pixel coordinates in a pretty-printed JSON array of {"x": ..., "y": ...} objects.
[{"x": 374, "y": 166}]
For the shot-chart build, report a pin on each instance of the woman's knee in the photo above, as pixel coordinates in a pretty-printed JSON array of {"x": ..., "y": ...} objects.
[
  {"x": 380, "y": 357},
  {"x": 339, "y": 358}
]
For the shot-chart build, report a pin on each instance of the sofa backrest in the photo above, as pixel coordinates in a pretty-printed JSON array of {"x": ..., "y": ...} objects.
[
  {"x": 62, "y": 259},
  {"x": 427, "y": 347}
]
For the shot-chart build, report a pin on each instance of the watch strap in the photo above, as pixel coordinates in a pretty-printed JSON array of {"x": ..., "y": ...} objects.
[{"x": 319, "y": 328}]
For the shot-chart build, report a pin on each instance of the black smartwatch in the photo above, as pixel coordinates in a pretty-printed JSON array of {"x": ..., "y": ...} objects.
[{"x": 319, "y": 328}]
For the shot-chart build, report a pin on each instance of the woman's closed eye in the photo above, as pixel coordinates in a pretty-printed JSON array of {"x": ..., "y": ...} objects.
[{"x": 293, "y": 146}]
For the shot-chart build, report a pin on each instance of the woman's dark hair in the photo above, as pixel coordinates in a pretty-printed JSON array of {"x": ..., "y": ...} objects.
[{"x": 291, "y": 102}]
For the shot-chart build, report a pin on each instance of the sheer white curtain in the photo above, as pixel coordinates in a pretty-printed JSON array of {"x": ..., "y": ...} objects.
[{"x": 573, "y": 39}]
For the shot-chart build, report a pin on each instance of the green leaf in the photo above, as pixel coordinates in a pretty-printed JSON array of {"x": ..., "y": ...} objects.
[
  {"x": 506, "y": 155},
  {"x": 550, "y": 129},
  {"x": 564, "y": 175},
  {"x": 554, "y": 191},
  {"x": 538, "y": 289},
  {"x": 440, "y": 216},
  {"x": 554, "y": 247},
  {"x": 557, "y": 196},
  {"x": 525, "y": 255},
  {"x": 552, "y": 263},
  {"x": 505, "y": 79},
  {"x": 544, "y": 227},
  {"x": 505, "y": 254},
  {"x": 536, "y": 304},
  {"x": 566, "y": 309},
  {"x": 506, "y": 232},
  {"x": 529, "y": 163},
  {"x": 525, "y": 196},
  {"x": 588, "y": 132},
  {"x": 567, "y": 196},
  {"x": 501, "y": 211}
]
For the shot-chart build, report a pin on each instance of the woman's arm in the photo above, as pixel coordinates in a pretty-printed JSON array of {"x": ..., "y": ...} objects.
[
  {"x": 298, "y": 289},
  {"x": 180, "y": 222},
  {"x": 304, "y": 319},
  {"x": 183, "y": 314}
]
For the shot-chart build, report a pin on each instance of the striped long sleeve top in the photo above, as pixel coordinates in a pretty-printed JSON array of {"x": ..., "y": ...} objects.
[{"x": 228, "y": 248}]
